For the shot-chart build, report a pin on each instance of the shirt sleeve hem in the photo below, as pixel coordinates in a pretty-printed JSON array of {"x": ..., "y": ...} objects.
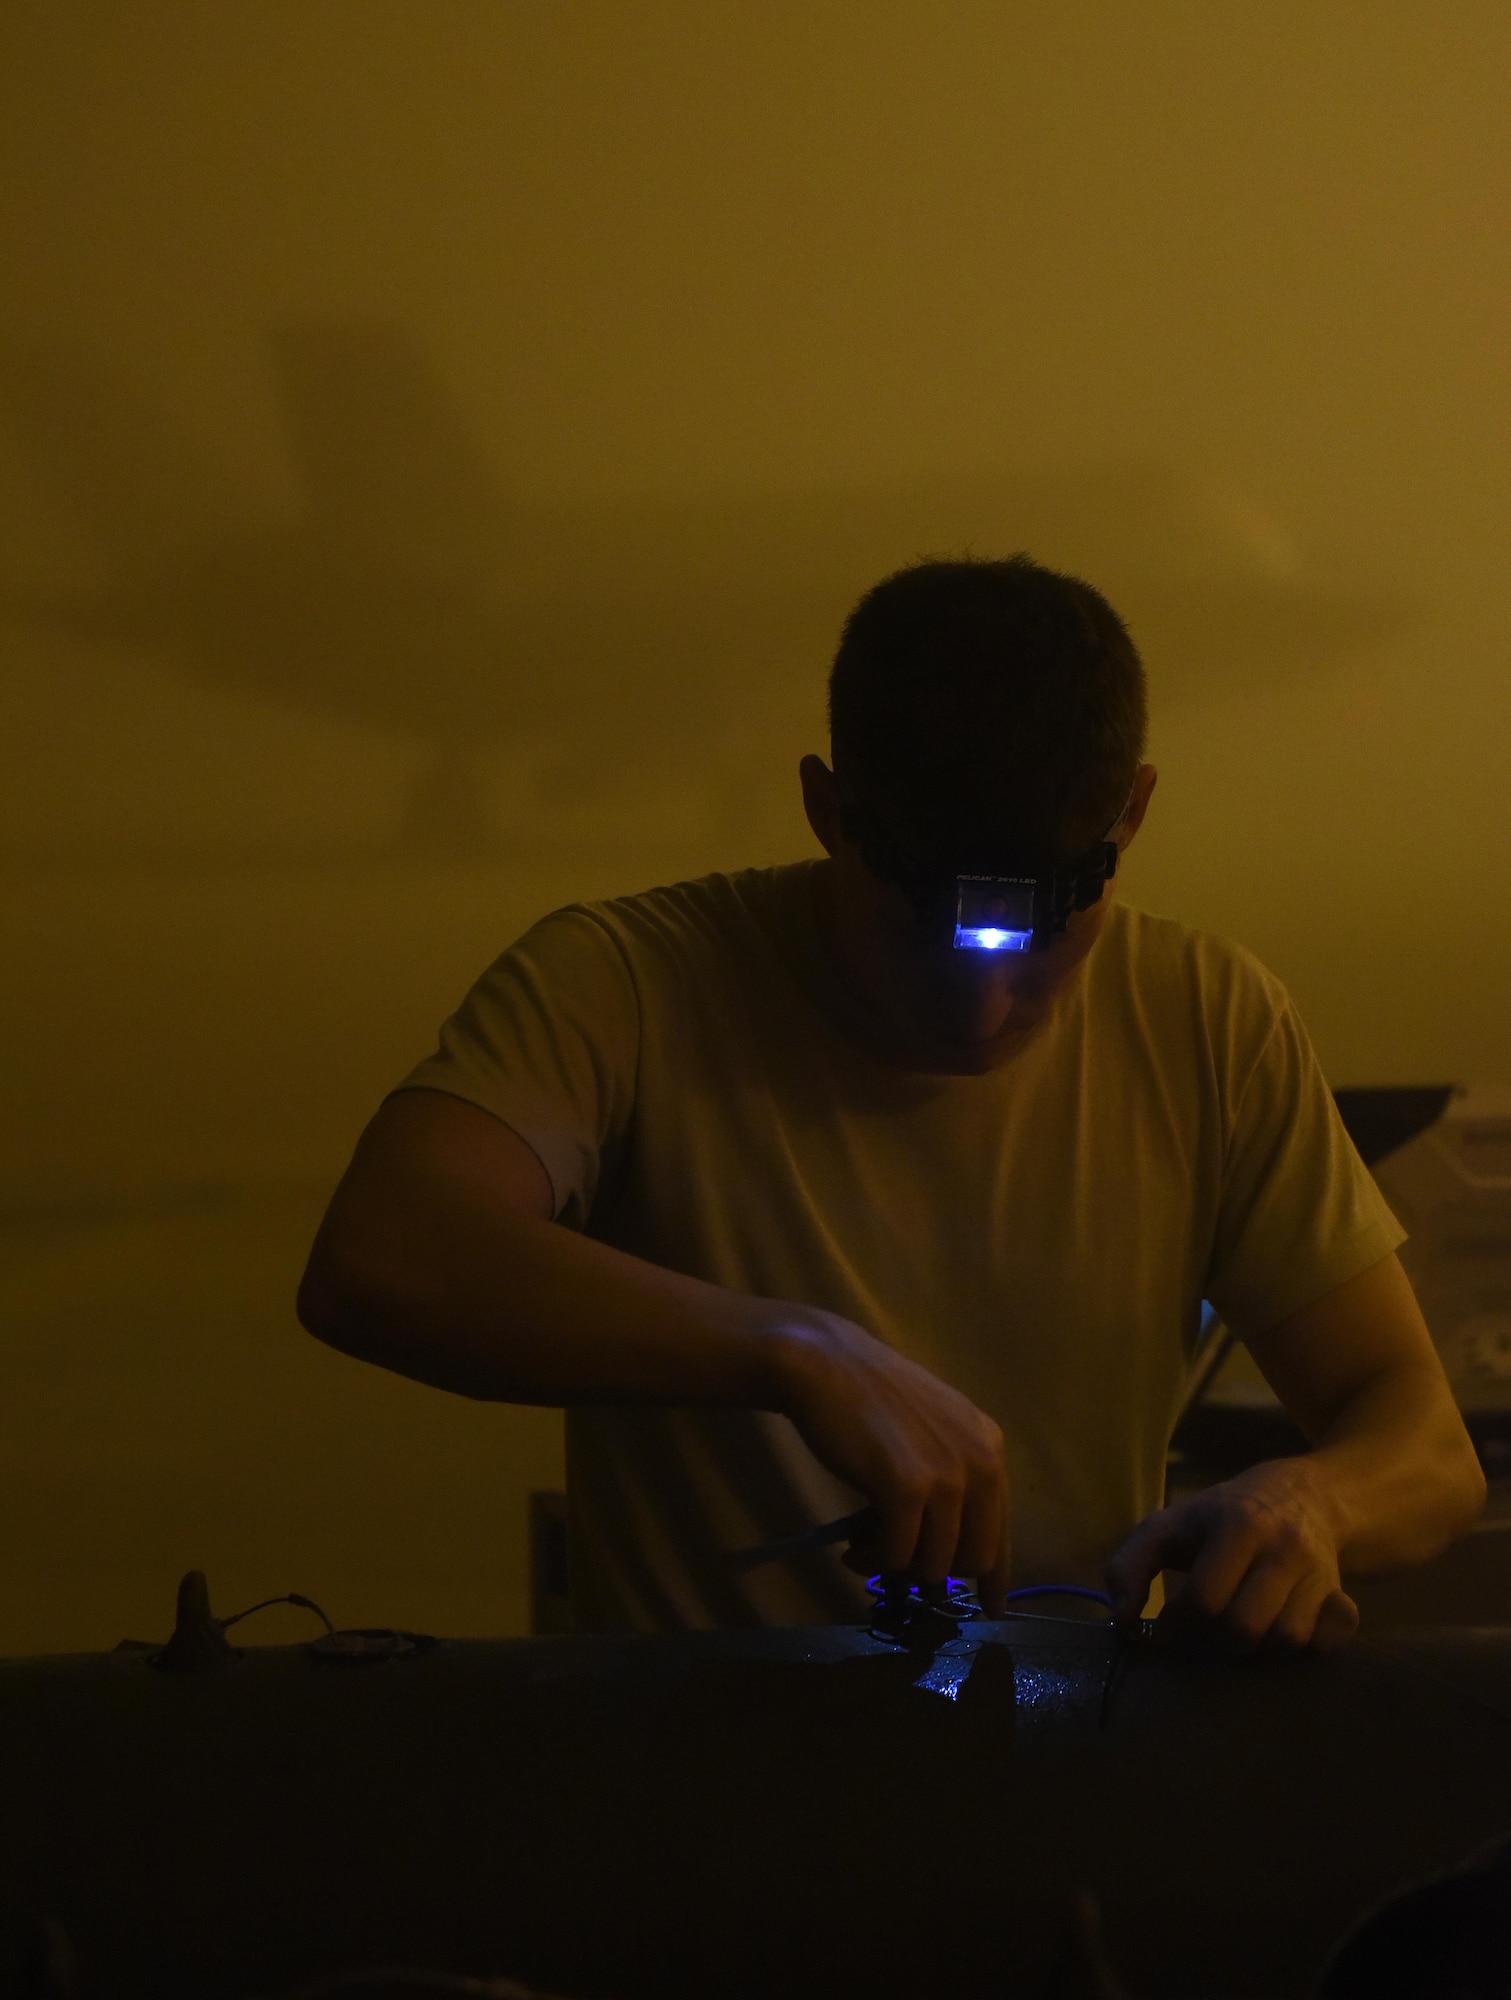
[
  {"x": 553, "y": 1158},
  {"x": 1252, "y": 1315}
]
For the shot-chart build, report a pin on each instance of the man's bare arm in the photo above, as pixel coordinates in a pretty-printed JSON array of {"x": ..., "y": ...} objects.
[
  {"x": 1359, "y": 1374},
  {"x": 438, "y": 1258},
  {"x": 1390, "y": 1480}
]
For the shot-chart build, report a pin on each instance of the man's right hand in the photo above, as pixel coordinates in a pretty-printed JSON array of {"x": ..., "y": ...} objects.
[
  {"x": 929, "y": 1462},
  {"x": 438, "y": 1258}
]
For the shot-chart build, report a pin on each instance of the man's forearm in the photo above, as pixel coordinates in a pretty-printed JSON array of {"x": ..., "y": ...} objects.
[
  {"x": 1391, "y": 1478},
  {"x": 470, "y": 1297},
  {"x": 1398, "y": 1471},
  {"x": 437, "y": 1259},
  {"x": 1391, "y": 1464}
]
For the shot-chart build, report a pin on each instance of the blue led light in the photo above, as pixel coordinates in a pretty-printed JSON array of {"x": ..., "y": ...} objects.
[
  {"x": 995, "y": 912},
  {"x": 986, "y": 937}
]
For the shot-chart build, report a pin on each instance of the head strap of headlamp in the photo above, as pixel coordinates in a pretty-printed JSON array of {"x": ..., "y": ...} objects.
[{"x": 998, "y": 902}]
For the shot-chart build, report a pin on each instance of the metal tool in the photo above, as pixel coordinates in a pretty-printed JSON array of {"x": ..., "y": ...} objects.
[{"x": 851, "y": 1528}]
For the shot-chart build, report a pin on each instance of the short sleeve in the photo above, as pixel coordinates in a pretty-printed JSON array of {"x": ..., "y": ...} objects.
[
  {"x": 1299, "y": 1212},
  {"x": 548, "y": 1041}
]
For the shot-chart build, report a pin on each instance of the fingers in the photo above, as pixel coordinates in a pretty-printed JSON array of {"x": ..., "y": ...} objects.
[
  {"x": 1133, "y": 1568},
  {"x": 982, "y": 1545},
  {"x": 1168, "y": 1539},
  {"x": 985, "y": 1549},
  {"x": 951, "y": 1518},
  {"x": 1337, "y": 1622},
  {"x": 1276, "y": 1610},
  {"x": 901, "y": 1514},
  {"x": 1313, "y": 1615},
  {"x": 939, "y": 1533},
  {"x": 1272, "y": 1607},
  {"x": 992, "y": 1582},
  {"x": 925, "y": 1457},
  {"x": 1230, "y": 1572},
  {"x": 1261, "y": 1566}
]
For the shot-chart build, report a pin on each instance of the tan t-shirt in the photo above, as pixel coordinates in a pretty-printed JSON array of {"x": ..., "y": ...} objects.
[{"x": 1041, "y": 1237}]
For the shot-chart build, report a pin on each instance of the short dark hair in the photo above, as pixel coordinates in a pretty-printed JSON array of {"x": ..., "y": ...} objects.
[{"x": 982, "y": 708}]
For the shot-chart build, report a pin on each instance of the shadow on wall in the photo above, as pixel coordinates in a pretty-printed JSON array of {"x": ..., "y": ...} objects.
[
  {"x": 414, "y": 592},
  {"x": 194, "y": 1047}
]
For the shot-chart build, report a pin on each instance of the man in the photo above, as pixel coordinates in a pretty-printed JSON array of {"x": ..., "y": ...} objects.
[{"x": 796, "y": 1200}]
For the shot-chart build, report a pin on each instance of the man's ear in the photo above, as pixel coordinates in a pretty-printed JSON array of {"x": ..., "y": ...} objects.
[
  {"x": 1132, "y": 816},
  {"x": 821, "y": 803}
]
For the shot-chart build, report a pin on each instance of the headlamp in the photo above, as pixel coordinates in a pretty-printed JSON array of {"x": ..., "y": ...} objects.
[
  {"x": 1026, "y": 910},
  {"x": 1005, "y": 906},
  {"x": 994, "y": 912}
]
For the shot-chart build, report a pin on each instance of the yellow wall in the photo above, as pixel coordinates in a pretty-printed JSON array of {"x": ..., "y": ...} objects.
[{"x": 439, "y": 444}]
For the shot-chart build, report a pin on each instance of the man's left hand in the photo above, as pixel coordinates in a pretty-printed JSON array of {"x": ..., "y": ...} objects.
[{"x": 1260, "y": 1553}]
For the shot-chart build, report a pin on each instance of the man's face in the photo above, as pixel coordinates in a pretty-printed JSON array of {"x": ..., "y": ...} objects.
[{"x": 933, "y": 1007}]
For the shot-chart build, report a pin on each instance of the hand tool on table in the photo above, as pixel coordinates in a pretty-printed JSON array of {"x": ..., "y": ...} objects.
[{"x": 850, "y": 1528}]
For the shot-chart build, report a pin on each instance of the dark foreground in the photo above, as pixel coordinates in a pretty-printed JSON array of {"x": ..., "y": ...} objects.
[{"x": 737, "y": 1816}]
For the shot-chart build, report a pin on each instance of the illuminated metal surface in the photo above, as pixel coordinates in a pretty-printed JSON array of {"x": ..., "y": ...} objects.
[
  {"x": 1039, "y": 1685},
  {"x": 945, "y": 1673}
]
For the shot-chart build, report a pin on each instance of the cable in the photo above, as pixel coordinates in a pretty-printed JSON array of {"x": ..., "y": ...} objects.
[
  {"x": 913, "y": 1613},
  {"x": 289, "y": 1597},
  {"x": 1059, "y": 1590}
]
